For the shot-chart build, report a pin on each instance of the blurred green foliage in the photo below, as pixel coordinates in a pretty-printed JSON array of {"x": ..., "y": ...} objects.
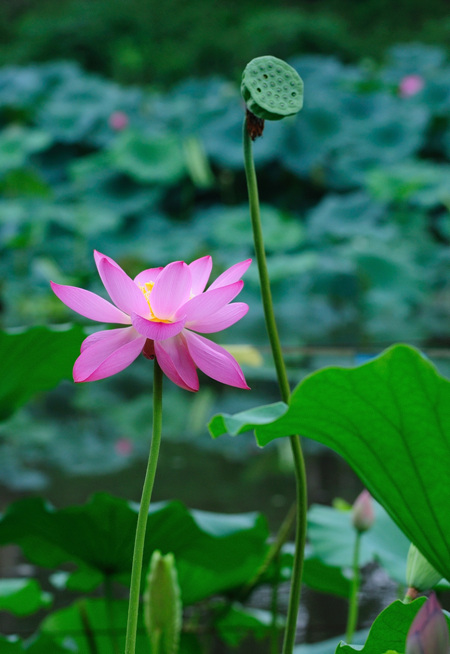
[
  {"x": 355, "y": 209},
  {"x": 146, "y": 41},
  {"x": 354, "y": 191}
]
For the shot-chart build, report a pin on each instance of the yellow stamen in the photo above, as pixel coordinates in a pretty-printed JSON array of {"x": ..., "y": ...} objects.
[{"x": 147, "y": 289}]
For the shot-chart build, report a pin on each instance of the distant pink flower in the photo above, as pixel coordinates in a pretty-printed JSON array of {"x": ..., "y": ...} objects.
[
  {"x": 411, "y": 85},
  {"x": 428, "y": 633},
  {"x": 123, "y": 446},
  {"x": 363, "y": 515},
  {"x": 118, "y": 121},
  {"x": 163, "y": 307}
]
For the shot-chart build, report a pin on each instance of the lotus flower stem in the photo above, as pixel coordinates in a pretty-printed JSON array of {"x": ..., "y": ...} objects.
[
  {"x": 283, "y": 382},
  {"x": 354, "y": 590},
  {"x": 136, "y": 571}
]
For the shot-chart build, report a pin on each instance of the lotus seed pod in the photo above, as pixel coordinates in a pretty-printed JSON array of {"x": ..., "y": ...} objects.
[{"x": 271, "y": 88}]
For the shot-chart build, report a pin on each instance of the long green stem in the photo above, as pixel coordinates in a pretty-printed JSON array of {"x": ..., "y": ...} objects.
[
  {"x": 273, "y": 553},
  {"x": 88, "y": 631},
  {"x": 274, "y": 635},
  {"x": 352, "y": 619},
  {"x": 283, "y": 382},
  {"x": 136, "y": 571}
]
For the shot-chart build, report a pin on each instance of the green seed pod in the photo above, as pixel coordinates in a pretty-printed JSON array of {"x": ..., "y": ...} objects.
[{"x": 271, "y": 88}]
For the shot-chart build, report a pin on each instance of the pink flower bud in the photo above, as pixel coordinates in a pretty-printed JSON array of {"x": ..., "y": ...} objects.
[
  {"x": 123, "y": 446},
  {"x": 428, "y": 633},
  {"x": 410, "y": 85},
  {"x": 363, "y": 515},
  {"x": 118, "y": 121}
]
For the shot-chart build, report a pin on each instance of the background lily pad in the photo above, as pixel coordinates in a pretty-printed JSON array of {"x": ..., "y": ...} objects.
[
  {"x": 214, "y": 552},
  {"x": 22, "y": 596},
  {"x": 35, "y": 360},
  {"x": 331, "y": 537}
]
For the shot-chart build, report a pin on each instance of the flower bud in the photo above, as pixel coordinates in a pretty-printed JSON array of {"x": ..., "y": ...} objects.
[
  {"x": 363, "y": 514},
  {"x": 162, "y": 604},
  {"x": 271, "y": 88},
  {"x": 429, "y": 633},
  {"x": 420, "y": 574}
]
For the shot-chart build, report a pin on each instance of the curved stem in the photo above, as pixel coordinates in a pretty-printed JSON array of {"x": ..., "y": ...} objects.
[
  {"x": 266, "y": 293},
  {"x": 283, "y": 382},
  {"x": 136, "y": 570},
  {"x": 300, "y": 542},
  {"x": 274, "y": 635},
  {"x": 273, "y": 553},
  {"x": 352, "y": 619}
]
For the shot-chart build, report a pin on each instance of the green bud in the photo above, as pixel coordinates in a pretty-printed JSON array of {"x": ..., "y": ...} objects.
[
  {"x": 162, "y": 604},
  {"x": 271, "y": 88},
  {"x": 420, "y": 574}
]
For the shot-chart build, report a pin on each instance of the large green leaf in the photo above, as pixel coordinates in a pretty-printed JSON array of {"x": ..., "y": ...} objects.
[
  {"x": 390, "y": 419},
  {"x": 35, "y": 360},
  {"x": 38, "y": 644},
  {"x": 17, "y": 143},
  {"x": 214, "y": 552},
  {"x": 389, "y": 631},
  {"x": 89, "y": 621},
  {"x": 323, "y": 577},
  {"x": 239, "y": 423},
  {"x": 237, "y": 622},
  {"x": 93, "y": 625},
  {"x": 329, "y": 646},
  {"x": 157, "y": 160},
  {"x": 10, "y": 645}
]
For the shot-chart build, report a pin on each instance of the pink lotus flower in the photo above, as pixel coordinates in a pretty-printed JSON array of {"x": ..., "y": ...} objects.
[
  {"x": 118, "y": 121},
  {"x": 123, "y": 446},
  {"x": 411, "y": 85},
  {"x": 164, "y": 308}
]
